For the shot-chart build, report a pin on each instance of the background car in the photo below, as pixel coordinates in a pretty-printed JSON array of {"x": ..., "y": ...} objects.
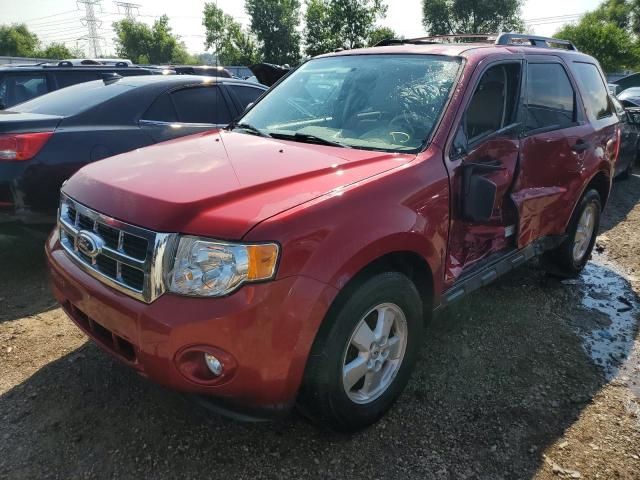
[
  {"x": 45, "y": 140},
  {"x": 630, "y": 97},
  {"x": 629, "y": 139},
  {"x": 24, "y": 82}
]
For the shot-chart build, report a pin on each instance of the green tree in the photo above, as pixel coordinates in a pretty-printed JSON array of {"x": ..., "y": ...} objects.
[
  {"x": 317, "y": 31},
  {"x": 17, "y": 41},
  {"x": 231, "y": 44},
  {"x": 143, "y": 44},
  {"x": 353, "y": 20},
  {"x": 57, "y": 51},
  {"x": 331, "y": 24},
  {"x": 450, "y": 17},
  {"x": 274, "y": 24},
  {"x": 380, "y": 33},
  {"x": 615, "y": 48}
]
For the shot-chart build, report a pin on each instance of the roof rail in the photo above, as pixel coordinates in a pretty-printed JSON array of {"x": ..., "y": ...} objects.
[
  {"x": 534, "y": 41},
  {"x": 494, "y": 38},
  {"x": 435, "y": 39}
]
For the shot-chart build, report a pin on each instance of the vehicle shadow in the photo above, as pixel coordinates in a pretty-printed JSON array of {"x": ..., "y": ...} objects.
[
  {"x": 502, "y": 375},
  {"x": 24, "y": 287},
  {"x": 625, "y": 194}
]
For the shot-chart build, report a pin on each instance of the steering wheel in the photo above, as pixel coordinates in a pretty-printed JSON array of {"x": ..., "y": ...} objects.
[{"x": 401, "y": 129}]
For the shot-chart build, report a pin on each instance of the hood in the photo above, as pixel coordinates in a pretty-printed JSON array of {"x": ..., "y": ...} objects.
[
  {"x": 18, "y": 122},
  {"x": 268, "y": 73},
  {"x": 219, "y": 183}
]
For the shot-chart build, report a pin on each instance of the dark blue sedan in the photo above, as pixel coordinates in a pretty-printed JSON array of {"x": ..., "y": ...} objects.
[{"x": 45, "y": 140}]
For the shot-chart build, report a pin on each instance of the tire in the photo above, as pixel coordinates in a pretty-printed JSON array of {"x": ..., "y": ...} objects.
[
  {"x": 324, "y": 398},
  {"x": 567, "y": 260}
]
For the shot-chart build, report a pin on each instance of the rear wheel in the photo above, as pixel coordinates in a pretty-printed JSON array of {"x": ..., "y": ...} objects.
[
  {"x": 362, "y": 359},
  {"x": 570, "y": 257}
]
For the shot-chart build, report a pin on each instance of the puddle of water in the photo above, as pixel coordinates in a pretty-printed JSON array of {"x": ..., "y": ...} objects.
[{"x": 607, "y": 290}]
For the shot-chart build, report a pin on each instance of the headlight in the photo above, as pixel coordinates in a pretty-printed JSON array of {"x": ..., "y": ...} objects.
[{"x": 211, "y": 269}]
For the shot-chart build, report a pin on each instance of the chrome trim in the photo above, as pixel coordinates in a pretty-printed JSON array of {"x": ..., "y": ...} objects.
[{"x": 158, "y": 246}]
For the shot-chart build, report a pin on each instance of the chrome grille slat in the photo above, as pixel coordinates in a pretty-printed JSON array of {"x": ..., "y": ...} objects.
[{"x": 130, "y": 258}]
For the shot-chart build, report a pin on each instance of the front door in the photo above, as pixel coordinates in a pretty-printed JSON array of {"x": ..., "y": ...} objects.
[{"x": 482, "y": 165}]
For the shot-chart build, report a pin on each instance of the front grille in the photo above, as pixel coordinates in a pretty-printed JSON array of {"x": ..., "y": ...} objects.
[{"x": 124, "y": 256}]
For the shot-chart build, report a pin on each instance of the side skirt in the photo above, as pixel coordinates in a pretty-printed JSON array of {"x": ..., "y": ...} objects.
[{"x": 494, "y": 268}]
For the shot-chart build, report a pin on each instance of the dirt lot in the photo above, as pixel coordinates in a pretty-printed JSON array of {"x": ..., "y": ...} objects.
[{"x": 505, "y": 388}]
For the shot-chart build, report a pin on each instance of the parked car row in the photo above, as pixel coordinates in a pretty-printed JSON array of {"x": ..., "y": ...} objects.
[
  {"x": 292, "y": 258},
  {"x": 45, "y": 140},
  {"x": 19, "y": 83}
]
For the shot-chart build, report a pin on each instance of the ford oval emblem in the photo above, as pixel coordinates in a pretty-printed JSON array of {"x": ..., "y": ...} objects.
[{"x": 89, "y": 243}]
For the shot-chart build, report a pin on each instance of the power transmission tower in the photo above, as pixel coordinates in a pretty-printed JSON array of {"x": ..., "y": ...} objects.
[
  {"x": 92, "y": 25},
  {"x": 130, "y": 9}
]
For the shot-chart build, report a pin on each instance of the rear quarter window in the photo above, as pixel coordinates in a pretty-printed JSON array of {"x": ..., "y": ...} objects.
[{"x": 593, "y": 91}]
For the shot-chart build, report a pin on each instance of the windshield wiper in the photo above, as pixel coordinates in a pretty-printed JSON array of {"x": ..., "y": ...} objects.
[
  {"x": 249, "y": 128},
  {"x": 309, "y": 138}
]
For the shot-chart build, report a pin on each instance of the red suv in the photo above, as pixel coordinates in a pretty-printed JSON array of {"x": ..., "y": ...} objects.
[{"x": 293, "y": 258}]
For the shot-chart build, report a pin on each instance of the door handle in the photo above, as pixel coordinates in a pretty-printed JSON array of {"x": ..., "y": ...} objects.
[{"x": 580, "y": 146}]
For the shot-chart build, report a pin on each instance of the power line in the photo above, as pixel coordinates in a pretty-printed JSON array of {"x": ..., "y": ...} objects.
[{"x": 48, "y": 16}]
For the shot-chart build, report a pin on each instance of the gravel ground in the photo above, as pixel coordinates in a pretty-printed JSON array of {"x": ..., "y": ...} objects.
[{"x": 506, "y": 387}]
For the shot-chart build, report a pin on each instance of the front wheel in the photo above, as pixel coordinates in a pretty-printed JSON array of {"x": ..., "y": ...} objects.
[
  {"x": 570, "y": 257},
  {"x": 363, "y": 357}
]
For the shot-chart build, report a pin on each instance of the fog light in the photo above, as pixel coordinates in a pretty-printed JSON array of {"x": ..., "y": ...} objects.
[{"x": 213, "y": 364}]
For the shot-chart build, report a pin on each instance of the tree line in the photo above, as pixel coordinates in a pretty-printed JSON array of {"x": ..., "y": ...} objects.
[{"x": 611, "y": 33}]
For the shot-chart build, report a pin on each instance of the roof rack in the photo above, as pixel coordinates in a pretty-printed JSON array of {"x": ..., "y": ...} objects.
[
  {"x": 534, "y": 41},
  {"x": 493, "y": 38}
]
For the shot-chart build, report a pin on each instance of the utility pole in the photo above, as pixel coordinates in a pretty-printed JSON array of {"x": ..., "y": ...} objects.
[
  {"x": 130, "y": 9},
  {"x": 92, "y": 25}
]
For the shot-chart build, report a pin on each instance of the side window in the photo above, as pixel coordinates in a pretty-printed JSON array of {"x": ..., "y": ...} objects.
[
  {"x": 20, "y": 88},
  {"x": 593, "y": 90},
  {"x": 161, "y": 110},
  {"x": 550, "y": 97},
  {"x": 246, "y": 95},
  {"x": 493, "y": 105},
  {"x": 201, "y": 105},
  {"x": 66, "y": 79}
]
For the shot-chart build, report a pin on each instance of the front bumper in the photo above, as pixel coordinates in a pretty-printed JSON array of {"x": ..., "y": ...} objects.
[{"x": 267, "y": 328}]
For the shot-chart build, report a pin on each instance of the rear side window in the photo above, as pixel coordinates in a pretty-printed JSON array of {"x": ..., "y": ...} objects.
[
  {"x": 161, "y": 110},
  {"x": 550, "y": 97},
  {"x": 16, "y": 89},
  {"x": 201, "y": 105},
  {"x": 593, "y": 90},
  {"x": 245, "y": 95},
  {"x": 66, "y": 79}
]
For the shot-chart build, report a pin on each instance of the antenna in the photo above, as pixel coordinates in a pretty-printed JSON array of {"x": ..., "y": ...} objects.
[
  {"x": 92, "y": 25},
  {"x": 130, "y": 9}
]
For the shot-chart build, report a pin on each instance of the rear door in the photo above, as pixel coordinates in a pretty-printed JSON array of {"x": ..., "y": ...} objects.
[
  {"x": 187, "y": 110},
  {"x": 563, "y": 141}
]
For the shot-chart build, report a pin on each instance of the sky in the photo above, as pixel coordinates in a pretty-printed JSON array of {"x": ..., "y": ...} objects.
[{"x": 61, "y": 20}]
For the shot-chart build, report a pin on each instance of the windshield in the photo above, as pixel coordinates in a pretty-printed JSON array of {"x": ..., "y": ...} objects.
[
  {"x": 72, "y": 100},
  {"x": 378, "y": 102}
]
